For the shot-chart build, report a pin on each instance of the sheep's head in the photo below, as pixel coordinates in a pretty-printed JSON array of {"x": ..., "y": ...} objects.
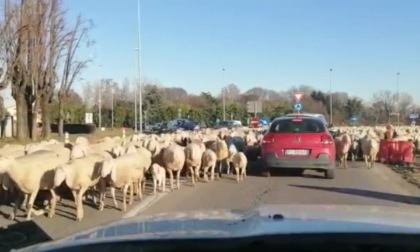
[
  {"x": 109, "y": 168},
  {"x": 77, "y": 152},
  {"x": 116, "y": 151}
]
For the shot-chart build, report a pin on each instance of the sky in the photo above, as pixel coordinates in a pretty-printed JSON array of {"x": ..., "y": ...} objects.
[{"x": 273, "y": 44}]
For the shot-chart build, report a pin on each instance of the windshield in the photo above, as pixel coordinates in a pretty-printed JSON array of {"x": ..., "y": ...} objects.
[
  {"x": 291, "y": 125},
  {"x": 136, "y": 108}
]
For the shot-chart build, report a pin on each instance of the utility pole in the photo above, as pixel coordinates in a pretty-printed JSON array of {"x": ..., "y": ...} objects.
[
  {"x": 331, "y": 110},
  {"x": 139, "y": 70},
  {"x": 398, "y": 99},
  {"x": 112, "y": 106},
  {"x": 135, "y": 91},
  {"x": 224, "y": 95},
  {"x": 100, "y": 98}
]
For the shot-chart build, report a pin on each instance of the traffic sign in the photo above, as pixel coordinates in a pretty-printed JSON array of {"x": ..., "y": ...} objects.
[
  {"x": 298, "y": 97},
  {"x": 254, "y": 122},
  {"x": 264, "y": 121},
  {"x": 414, "y": 116},
  {"x": 298, "y": 106},
  {"x": 353, "y": 120}
]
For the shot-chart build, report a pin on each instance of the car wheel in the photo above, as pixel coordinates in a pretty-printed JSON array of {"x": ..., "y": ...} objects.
[{"x": 329, "y": 174}]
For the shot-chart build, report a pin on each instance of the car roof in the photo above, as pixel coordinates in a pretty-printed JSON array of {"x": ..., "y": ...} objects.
[
  {"x": 305, "y": 114},
  {"x": 290, "y": 117},
  {"x": 319, "y": 116}
]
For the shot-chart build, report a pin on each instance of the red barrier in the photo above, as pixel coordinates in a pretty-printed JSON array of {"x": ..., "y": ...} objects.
[{"x": 396, "y": 152}]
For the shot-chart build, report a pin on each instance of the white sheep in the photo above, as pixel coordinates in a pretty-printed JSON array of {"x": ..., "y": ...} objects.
[
  {"x": 209, "y": 161},
  {"x": 342, "y": 144},
  {"x": 124, "y": 172},
  {"x": 370, "y": 149},
  {"x": 159, "y": 177},
  {"x": 240, "y": 162},
  {"x": 193, "y": 156},
  {"x": 173, "y": 159},
  {"x": 31, "y": 173},
  {"x": 232, "y": 151},
  {"x": 221, "y": 149},
  {"x": 79, "y": 175}
]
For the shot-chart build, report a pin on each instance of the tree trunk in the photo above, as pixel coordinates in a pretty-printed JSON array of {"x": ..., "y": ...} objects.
[
  {"x": 61, "y": 119},
  {"x": 46, "y": 124},
  {"x": 29, "y": 116},
  {"x": 34, "y": 124},
  {"x": 22, "y": 116}
]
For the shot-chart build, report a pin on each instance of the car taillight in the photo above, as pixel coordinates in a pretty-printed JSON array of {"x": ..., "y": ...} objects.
[
  {"x": 267, "y": 139},
  {"x": 326, "y": 139},
  {"x": 297, "y": 120}
]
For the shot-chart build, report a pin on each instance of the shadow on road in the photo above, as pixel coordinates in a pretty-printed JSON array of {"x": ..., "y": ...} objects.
[
  {"x": 367, "y": 193},
  {"x": 21, "y": 235},
  {"x": 255, "y": 169}
]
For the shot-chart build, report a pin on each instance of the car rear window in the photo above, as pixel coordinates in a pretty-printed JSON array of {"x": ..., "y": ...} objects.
[{"x": 301, "y": 125}]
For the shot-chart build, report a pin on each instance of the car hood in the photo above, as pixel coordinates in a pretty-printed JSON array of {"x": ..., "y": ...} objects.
[{"x": 268, "y": 219}]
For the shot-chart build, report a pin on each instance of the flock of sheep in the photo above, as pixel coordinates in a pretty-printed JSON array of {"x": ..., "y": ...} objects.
[
  {"x": 363, "y": 142},
  {"x": 117, "y": 163},
  {"x": 125, "y": 163}
]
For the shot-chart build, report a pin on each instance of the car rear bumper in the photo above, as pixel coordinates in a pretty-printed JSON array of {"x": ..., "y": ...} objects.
[{"x": 321, "y": 163}]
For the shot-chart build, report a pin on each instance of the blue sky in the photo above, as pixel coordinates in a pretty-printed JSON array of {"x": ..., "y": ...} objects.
[{"x": 267, "y": 43}]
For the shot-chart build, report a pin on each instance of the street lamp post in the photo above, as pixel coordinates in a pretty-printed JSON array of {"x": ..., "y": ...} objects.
[
  {"x": 100, "y": 99},
  {"x": 112, "y": 106},
  {"x": 224, "y": 95},
  {"x": 398, "y": 99},
  {"x": 331, "y": 110},
  {"x": 135, "y": 90},
  {"x": 139, "y": 69}
]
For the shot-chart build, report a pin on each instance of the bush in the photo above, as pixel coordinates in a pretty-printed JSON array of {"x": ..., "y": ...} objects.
[{"x": 75, "y": 128}]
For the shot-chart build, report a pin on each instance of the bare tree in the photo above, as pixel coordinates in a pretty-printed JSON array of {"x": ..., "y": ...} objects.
[
  {"x": 232, "y": 92},
  {"x": 13, "y": 34},
  {"x": 126, "y": 90},
  {"x": 88, "y": 95},
  {"x": 387, "y": 100},
  {"x": 405, "y": 104},
  {"x": 72, "y": 66},
  {"x": 174, "y": 95},
  {"x": 57, "y": 36}
]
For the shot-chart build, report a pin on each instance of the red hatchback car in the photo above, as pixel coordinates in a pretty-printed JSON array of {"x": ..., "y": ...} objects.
[{"x": 299, "y": 143}]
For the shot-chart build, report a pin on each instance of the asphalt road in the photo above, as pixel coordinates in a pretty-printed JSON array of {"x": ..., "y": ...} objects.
[{"x": 356, "y": 185}]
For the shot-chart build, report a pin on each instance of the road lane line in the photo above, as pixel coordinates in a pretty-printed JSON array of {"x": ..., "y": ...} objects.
[{"x": 148, "y": 201}]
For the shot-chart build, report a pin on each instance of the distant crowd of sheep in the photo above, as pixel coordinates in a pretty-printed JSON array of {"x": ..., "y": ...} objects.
[
  {"x": 363, "y": 142},
  {"x": 119, "y": 163}
]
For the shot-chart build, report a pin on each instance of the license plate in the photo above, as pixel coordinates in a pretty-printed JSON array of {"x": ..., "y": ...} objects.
[{"x": 297, "y": 152}]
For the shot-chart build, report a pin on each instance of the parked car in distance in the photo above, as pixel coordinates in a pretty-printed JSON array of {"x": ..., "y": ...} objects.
[
  {"x": 230, "y": 124},
  {"x": 299, "y": 143}
]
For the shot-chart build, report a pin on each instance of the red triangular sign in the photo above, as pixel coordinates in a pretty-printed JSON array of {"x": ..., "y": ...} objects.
[{"x": 298, "y": 97}]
